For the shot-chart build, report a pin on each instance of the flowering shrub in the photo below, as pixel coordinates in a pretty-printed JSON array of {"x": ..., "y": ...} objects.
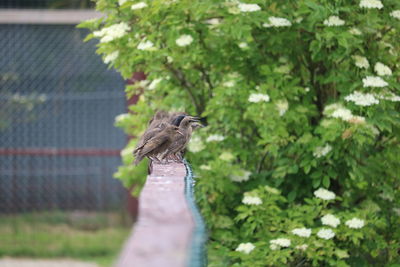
[{"x": 299, "y": 162}]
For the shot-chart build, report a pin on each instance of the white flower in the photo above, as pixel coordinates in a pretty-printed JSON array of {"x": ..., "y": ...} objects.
[
  {"x": 303, "y": 232},
  {"x": 205, "y": 167},
  {"x": 395, "y": 14},
  {"x": 127, "y": 151},
  {"x": 184, "y": 40},
  {"x": 334, "y": 21},
  {"x": 388, "y": 96},
  {"x": 111, "y": 57},
  {"x": 121, "y": 117},
  {"x": 243, "y": 45},
  {"x": 249, "y": 7},
  {"x": 277, "y": 22},
  {"x": 139, "y": 5},
  {"x": 213, "y": 21},
  {"x": 330, "y": 220},
  {"x": 121, "y": 2},
  {"x": 255, "y": 98},
  {"x": 374, "y": 81},
  {"x": 321, "y": 151},
  {"x": 229, "y": 84},
  {"x": 355, "y": 31},
  {"x": 282, "y": 107},
  {"x": 382, "y": 70},
  {"x": 371, "y": 4},
  {"x": 274, "y": 247},
  {"x": 112, "y": 32},
  {"x": 361, "y": 62},
  {"x": 338, "y": 111},
  {"x": 154, "y": 83},
  {"x": 145, "y": 45},
  {"x": 241, "y": 176},
  {"x": 226, "y": 156},
  {"x": 272, "y": 190},
  {"x": 245, "y": 247},
  {"x": 307, "y": 89},
  {"x": 355, "y": 223},
  {"x": 302, "y": 247},
  {"x": 215, "y": 138},
  {"x": 361, "y": 99},
  {"x": 326, "y": 233},
  {"x": 281, "y": 242},
  {"x": 324, "y": 194},
  {"x": 251, "y": 200},
  {"x": 195, "y": 144}
]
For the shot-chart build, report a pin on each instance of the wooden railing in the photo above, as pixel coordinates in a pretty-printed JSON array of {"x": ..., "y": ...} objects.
[{"x": 169, "y": 231}]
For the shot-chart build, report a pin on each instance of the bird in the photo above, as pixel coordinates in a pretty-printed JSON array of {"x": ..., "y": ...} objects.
[
  {"x": 158, "y": 144},
  {"x": 159, "y": 117},
  {"x": 180, "y": 141}
]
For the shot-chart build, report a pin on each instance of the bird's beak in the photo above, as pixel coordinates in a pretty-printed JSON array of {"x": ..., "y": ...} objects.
[
  {"x": 197, "y": 124},
  {"x": 194, "y": 119}
]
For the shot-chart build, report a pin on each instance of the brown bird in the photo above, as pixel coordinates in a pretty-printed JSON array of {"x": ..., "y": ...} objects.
[
  {"x": 158, "y": 144},
  {"x": 156, "y": 124},
  {"x": 180, "y": 142}
]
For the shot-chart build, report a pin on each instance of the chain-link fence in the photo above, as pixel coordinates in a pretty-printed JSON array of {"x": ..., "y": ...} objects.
[{"x": 58, "y": 145}]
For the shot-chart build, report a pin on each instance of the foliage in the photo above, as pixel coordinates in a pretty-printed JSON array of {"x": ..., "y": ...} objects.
[
  {"x": 95, "y": 237},
  {"x": 298, "y": 95}
]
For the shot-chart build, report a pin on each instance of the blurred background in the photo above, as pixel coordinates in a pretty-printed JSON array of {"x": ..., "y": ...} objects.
[{"x": 59, "y": 147}]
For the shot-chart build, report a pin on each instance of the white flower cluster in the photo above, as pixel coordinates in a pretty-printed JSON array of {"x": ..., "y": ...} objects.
[
  {"x": 215, "y": 138},
  {"x": 395, "y": 14},
  {"x": 184, "y": 40},
  {"x": 361, "y": 99},
  {"x": 121, "y": 2},
  {"x": 154, "y": 83},
  {"x": 242, "y": 176},
  {"x": 330, "y": 220},
  {"x": 243, "y": 45},
  {"x": 382, "y": 70},
  {"x": 321, "y": 151},
  {"x": 371, "y": 4},
  {"x": 282, "y": 107},
  {"x": 277, "y": 22},
  {"x": 355, "y": 223},
  {"x": 229, "y": 84},
  {"x": 302, "y": 247},
  {"x": 361, "y": 62},
  {"x": 226, "y": 156},
  {"x": 195, "y": 144},
  {"x": 111, "y": 57},
  {"x": 251, "y": 200},
  {"x": 139, "y": 5},
  {"x": 336, "y": 110},
  {"x": 280, "y": 242},
  {"x": 145, "y": 45},
  {"x": 255, "y": 98},
  {"x": 388, "y": 96},
  {"x": 324, "y": 194},
  {"x": 205, "y": 167},
  {"x": 112, "y": 32},
  {"x": 334, "y": 21},
  {"x": 213, "y": 21},
  {"x": 245, "y": 247},
  {"x": 303, "y": 232},
  {"x": 248, "y": 7},
  {"x": 121, "y": 117},
  {"x": 374, "y": 81},
  {"x": 326, "y": 233},
  {"x": 355, "y": 31}
]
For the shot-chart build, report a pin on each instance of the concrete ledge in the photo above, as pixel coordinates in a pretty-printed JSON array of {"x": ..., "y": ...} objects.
[
  {"x": 163, "y": 233},
  {"x": 46, "y": 16}
]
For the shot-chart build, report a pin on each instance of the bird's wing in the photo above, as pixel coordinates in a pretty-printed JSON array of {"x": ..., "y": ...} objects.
[{"x": 153, "y": 143}]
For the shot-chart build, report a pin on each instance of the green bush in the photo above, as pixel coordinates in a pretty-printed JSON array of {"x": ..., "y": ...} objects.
[{"x": 300, "y": 97}]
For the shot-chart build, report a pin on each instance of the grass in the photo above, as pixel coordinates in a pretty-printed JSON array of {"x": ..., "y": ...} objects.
[{"x": 95, "y": 237}]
